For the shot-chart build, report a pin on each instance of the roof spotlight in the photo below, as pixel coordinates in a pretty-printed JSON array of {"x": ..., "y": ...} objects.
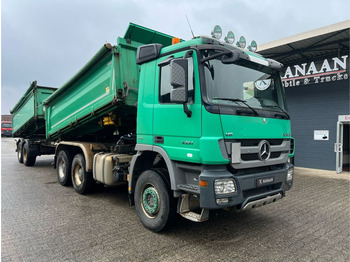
[
  {"x": 230, "y": 38},
  {"x": 217, "y": 32},
  {"x": 253, "y": 46},
  {"x": 242, "y": 42}
]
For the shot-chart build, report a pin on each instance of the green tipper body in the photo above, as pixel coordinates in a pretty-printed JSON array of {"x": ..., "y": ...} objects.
[
  {"x": 107, "y": 84},
  {"x": 28, "y": 114}
]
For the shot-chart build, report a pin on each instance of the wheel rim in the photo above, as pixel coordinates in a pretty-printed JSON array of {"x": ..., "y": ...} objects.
[
  {"x": 61, "y": 169},
  {"x": 150, "y": 201},
  {"x": 19, "y": 151},
  {"x": 78, "y": 175},
  {"x": 24, "y": 154}
]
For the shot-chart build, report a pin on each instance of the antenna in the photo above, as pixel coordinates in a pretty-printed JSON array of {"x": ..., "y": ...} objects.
[{"x": 189, "y": 26}]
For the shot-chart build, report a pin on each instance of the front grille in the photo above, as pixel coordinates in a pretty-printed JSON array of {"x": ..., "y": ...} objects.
[
  {"x": 255, "y": 142},
  {"x": 249, "y": 153},
  {"x": 292, "y": 146}
]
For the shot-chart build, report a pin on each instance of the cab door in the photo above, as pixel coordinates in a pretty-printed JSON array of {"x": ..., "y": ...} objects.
[{"x": 173, "y": 130}]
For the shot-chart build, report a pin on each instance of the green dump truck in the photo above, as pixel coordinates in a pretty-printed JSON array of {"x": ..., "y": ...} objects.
[
  {"x": 190, "y": 126},
  {"x": 28, "y": 120}
]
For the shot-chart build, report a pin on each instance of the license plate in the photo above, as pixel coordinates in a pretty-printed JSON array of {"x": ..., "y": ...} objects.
[{"x": 263, "y": 181}]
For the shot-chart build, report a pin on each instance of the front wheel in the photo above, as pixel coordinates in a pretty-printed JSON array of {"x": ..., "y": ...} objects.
[
  {"x": 81, "y": 179},
  {"x": 153, "y": 201}
]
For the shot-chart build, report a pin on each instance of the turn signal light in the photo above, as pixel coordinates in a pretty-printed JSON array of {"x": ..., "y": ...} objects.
[{"x": 203, "y": 183}]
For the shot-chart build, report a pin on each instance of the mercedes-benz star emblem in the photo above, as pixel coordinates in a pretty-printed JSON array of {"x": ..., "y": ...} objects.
[{"x": 264, "y": 150}]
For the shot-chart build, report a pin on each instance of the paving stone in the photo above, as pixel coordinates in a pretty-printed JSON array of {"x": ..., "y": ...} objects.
[{"x": 43, "y": 221}]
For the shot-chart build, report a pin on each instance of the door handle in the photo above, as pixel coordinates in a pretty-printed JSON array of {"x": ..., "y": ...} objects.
[{"x": 159, "y": 139}]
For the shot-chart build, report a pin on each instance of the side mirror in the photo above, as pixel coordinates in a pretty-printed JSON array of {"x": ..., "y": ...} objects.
[
  {"x": 179, "y": 80},
  {"x": 147, "y": 53}
]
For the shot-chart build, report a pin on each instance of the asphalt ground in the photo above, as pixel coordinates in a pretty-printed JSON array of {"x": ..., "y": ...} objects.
[{"x": 44, "y": 221}]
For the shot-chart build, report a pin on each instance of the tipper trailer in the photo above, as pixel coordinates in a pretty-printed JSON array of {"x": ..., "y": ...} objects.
[
  {"x": 28, "y": 120},
  {"x": 189, "y": 125}
]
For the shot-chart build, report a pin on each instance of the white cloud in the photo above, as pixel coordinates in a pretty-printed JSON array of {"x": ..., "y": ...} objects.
[{"x": 49, "y": 41}]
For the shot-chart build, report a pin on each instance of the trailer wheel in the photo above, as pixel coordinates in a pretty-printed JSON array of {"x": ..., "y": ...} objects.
[
  {"x": 82, "y": 180},
  {"x": 28, "y": 158},
  {"x": 19, "y": 152},
  {"x": 63, "y": 168},
  {"x": 153, "y": 201}
]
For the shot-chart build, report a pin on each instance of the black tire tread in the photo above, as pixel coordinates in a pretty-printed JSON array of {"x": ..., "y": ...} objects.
[
  {"x": 30, "y": 160},
  {"x": 158, "y": 178},
  {"x": 68, "y": 159},
  {"x": 88, "y": 184}
]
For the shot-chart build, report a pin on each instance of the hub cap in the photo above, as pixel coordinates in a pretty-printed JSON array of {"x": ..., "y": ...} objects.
[
  {"x": 150, "y": 201},
  {"x": 78, "y": 175},
  {"x": 61, "y": 169},
  {"x": 24, "y": 154}
]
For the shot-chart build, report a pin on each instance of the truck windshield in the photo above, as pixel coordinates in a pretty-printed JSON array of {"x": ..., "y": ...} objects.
[
  {"x": 242, "y": 84},
  {"x": 6, "y": 125}
]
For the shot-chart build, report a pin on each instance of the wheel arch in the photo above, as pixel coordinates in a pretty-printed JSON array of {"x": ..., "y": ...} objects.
[{"x": 143, "y": 160}]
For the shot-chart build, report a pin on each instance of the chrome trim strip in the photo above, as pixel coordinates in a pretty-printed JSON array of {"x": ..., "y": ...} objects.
[{"x": 262, "y": 202}]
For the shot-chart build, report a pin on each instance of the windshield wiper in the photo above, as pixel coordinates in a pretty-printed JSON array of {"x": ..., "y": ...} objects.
[
  {"x": 276, "y": 105},
  {"x": 237, "y": 100},
  {"x": 216, "y": 55},
  {"x": 282, "y": 110}
]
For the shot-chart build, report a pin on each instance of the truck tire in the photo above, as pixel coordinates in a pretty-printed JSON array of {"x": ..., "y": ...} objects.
[
  {"x": 19, "y": 152},
  {"x": 82, "y": 180},
  {"x": 153, "y": 200},
  {"x": 64, "y": 168},
  {"x": 28, "y": 158}
]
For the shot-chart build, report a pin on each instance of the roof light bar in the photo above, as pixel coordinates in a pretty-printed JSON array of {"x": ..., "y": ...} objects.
[
  {"x": 242, "y": 42},
  {"x": 217, "y": 32},
  {"x": 230, "y": 39},
  {"x": 253, "y": 46}
]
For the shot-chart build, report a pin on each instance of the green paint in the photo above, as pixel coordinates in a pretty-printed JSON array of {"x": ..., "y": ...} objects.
[
  {"x": 109, "y": 82},
  {"x": 28, "y": 113},
  {"x": 150, "y": 201},
  {"x": 112, "y": 82}
]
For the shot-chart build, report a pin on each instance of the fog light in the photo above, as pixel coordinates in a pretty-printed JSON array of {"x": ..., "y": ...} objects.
[
  {"x": 290, "y": 174},
  {"x": 224, "y": 186},
  {"x": 222, "y": 201}
]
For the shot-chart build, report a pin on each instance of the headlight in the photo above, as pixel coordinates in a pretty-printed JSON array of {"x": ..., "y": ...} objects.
[
  {"x": 225, "y": 186},
  {"x": 290, "y": 174}
]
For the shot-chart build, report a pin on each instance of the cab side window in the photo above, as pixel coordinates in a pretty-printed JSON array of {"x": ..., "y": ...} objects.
[{"x": 165, "y": 86}]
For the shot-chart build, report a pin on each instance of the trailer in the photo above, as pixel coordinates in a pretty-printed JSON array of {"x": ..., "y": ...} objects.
[
  {"x": 189, "y": 126},
  {"x": 28, "y": 119}
]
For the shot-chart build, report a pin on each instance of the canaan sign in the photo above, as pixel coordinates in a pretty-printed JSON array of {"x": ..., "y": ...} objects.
[{"x": 328, "y": 70}]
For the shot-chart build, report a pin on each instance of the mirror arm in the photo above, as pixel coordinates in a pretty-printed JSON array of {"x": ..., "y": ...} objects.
[{"x": 187, "y": 111}]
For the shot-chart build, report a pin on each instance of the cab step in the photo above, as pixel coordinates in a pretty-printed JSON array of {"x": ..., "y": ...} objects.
[{"x": 184, "y": 210}]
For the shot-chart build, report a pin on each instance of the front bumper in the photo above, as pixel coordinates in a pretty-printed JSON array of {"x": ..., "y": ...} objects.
[
  {"x": 270, "y": 186},
  {"x": 6, "y": 133}
]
